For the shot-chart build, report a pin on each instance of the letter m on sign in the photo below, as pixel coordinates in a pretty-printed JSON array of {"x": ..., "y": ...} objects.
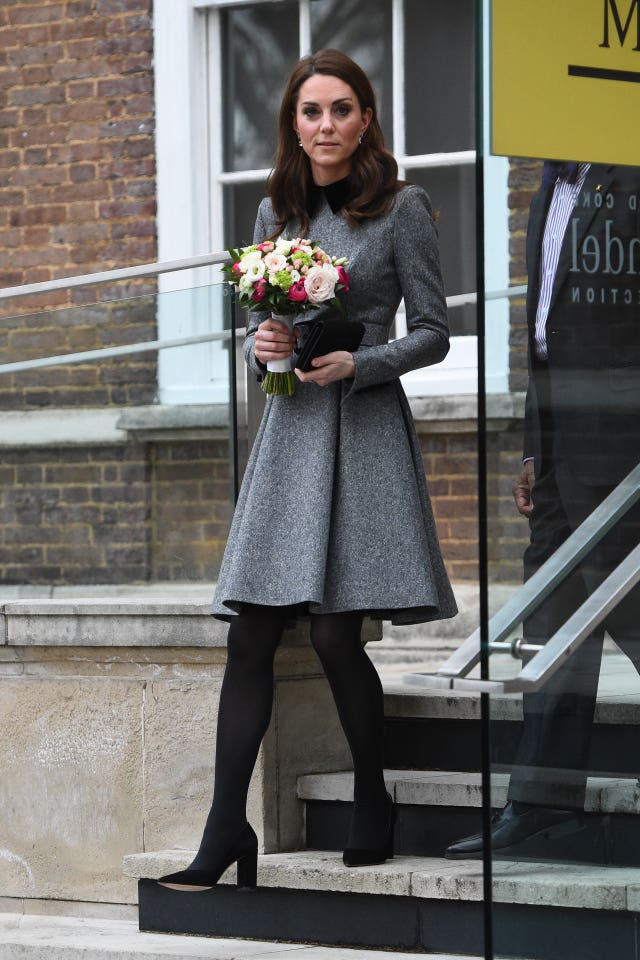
[{"x": 611, "y": 7}]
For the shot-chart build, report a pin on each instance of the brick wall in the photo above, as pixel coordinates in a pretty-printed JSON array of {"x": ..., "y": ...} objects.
[
  {"x": 77, "y": 186},
  {"x": 121, "y": 514},
  {"x": 524, "y": 180},
  {"x": 451, "y": 464},
  {"x": 192, "y": 509}
]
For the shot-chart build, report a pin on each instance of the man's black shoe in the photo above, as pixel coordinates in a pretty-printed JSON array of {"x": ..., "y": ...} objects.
[{"x": 509, "y": 828}]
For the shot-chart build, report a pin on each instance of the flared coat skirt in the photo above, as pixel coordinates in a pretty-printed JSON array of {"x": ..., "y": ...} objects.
[{"x": 334, "y": 511}]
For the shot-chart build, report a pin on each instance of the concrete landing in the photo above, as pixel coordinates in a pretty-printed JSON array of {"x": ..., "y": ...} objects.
[{"x": 72, "y": 938}]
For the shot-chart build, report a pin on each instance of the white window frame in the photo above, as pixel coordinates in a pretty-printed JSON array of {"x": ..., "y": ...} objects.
[{"x": 191, "y": 182}]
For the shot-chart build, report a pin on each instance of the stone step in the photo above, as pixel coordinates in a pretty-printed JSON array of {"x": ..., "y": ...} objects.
[
  {"x": 549, "y": 911},
  {"x": 455, "y": 789},
  {"x": 73, "y": 938},
  {"x": 435, "y": 808},
  {"x": 531, "y": 883},
  {"x": 438, "y": 730}
]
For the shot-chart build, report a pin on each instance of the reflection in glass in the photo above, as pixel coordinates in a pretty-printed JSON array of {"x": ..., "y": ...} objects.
[
  {"x": 259, "y": 46},
  {"x": 572, "y": 766}
]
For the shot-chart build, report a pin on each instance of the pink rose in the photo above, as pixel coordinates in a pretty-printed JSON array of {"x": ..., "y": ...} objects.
[
  {"x": 297, "y": 292},
  {"x": 343, "y": 278},
  {"x": 259, "y": 291},
  {"x": 266, "y": 246},
  {"x": 320, "y": 283},
  {"x": 236, "y": 268}
]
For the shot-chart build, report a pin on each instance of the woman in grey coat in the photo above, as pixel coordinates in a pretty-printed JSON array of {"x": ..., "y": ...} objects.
[{"x": 333, "y": 522}]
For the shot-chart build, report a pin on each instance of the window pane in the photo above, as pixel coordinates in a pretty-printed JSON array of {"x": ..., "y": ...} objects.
[
  {"x": 240, "y": 208},
  {"x": 259, "y": 46},
  {"x": 363, "y": 32},
  {"x": 439, "y": 78},
  {"x": 452, "y": 192}
]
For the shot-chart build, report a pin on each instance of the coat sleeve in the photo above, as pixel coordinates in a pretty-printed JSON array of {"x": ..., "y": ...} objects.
[
  {"x": 417, "y": 263},
  {"x": 255, "y": 317}
]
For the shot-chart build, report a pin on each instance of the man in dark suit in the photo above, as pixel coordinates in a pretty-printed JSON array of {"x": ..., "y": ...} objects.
[{"x": 582, "y": 437}]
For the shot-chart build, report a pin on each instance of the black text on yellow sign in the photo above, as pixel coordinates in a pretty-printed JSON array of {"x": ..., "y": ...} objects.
[{"x": 566, "y": 79}]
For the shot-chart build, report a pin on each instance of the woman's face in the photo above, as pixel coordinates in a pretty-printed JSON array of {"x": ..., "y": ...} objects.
[{"x": 329, "y": 121}]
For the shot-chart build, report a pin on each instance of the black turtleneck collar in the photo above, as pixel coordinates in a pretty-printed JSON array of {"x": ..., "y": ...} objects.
[{"x": 337, "y": 194}]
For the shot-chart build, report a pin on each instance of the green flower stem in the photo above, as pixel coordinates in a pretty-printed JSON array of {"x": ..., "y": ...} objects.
[{"x": 279, "y": 384}]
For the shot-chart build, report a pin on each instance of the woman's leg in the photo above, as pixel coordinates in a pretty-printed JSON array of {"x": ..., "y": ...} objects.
[
  {"x": 357, "y": 691},
  {"x": 246, "y": 700}
]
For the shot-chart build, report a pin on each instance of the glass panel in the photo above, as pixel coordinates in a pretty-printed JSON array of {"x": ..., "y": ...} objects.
[
  {"x": 258, "y": 48},
  {"x": 452, "y": 193},
  {"x": 100, "y": 485},
  {"x": 439, "y": 72},
  {"x": 363, "y": 31},
  {"x": 564, "y": 742}
]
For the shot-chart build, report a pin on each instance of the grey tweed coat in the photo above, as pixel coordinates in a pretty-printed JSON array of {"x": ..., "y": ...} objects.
[{"x": 334, "y": 511}]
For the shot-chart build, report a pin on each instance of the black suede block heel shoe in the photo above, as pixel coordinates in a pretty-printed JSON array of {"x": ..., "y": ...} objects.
[
  {"x": 368, "y": 856},
  {"x": 244, "y": 853}
]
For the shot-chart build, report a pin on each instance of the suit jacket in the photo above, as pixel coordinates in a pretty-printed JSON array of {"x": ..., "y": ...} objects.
[{"x": 583, "y": 405}]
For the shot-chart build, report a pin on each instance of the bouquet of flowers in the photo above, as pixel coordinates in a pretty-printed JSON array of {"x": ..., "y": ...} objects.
[{"x": 286, "y": 277}]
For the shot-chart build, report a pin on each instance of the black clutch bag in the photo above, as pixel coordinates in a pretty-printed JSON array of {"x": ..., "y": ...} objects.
[{"x": 327, "y": 335}]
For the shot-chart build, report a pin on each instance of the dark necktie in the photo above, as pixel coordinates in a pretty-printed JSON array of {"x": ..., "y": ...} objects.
[{"x": 565, "y": 169}]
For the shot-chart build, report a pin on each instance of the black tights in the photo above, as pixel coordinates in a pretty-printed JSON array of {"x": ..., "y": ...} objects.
[{"x": 245, "y": 710}]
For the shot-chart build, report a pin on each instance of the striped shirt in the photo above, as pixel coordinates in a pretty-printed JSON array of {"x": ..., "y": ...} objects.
[{"x": 563, "y": 201}]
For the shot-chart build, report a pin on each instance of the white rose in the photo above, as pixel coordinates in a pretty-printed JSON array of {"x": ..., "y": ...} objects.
[
  {"x": 331, "y": 270},
  {"x": 245, "y": 283},
  {"x": 283, "y": 247},
  {"x": 275, "y": 261},
  {"x": 254, "y": 270},
  {"x": 319, "y": 284}
]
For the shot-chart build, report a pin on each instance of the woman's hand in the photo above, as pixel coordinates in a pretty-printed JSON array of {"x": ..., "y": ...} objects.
[
  {"x": 273, "y": 341},
  {"x": 338, "y": 365}
]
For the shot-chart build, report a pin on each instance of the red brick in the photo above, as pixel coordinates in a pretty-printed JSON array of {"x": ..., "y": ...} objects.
[
  {"x": 36, "y": 13},
  {"x": 77, "y": 29},
  {"x": 19, "y": 35},
  {"x": 82, "y": 112},
  {"x": 28, "y": 53},
  {"x": 107, "y": 7},
  {"x": 124, "y": 86},
  {"x": 36, "y": 74},
  {"x": 76, "y": 69},
  {"x": 82, "y": 171},
  {"x": 50, "y": 93},
  {"x": 81, "y": 89}
]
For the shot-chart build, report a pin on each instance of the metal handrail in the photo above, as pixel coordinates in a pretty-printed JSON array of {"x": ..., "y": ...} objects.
[
  {"x": 153, "y": 270},
  {"x": 111, "y": 276},
  {"x": 452, "y": 674}
]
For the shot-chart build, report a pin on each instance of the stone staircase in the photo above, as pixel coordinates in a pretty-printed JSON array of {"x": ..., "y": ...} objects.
[{"x": 575, "y": 894}]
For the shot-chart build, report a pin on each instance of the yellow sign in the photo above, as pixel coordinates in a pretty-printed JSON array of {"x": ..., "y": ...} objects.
[{"x": 566, "y": 79}]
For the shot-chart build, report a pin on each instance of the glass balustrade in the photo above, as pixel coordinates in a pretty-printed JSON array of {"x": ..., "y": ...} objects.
[
  {"x": 564, "y": 730},
  {"x": 104, "y": 487}
]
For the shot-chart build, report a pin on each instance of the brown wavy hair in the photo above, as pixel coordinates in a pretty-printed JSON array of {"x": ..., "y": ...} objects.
[{"x": 374, "y": 171}]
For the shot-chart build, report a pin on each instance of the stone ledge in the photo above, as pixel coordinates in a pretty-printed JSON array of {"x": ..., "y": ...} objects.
[
  {"x": 103, "y": 426},
  {"x": 189, "y": 421},
  {"x": 125, "y": 622},
  {"x": 550, "y": 884}
]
